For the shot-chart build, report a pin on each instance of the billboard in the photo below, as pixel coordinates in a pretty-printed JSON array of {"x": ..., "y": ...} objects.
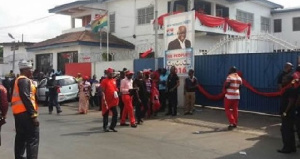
[{"x": 179, "y": 41}]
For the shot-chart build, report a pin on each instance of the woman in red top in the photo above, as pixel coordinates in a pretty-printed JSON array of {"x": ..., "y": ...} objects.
[{"x": 110, "y": 100}]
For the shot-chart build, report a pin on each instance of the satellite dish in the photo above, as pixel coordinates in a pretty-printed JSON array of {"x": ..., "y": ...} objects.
[{"x": 10, "y": 36}]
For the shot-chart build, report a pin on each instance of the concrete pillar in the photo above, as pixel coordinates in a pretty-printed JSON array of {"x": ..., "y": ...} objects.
[
  {"x": 54, "y": 58},
  {"x": 72, "y": 22},
  {"x": 213, "y": 9},
  {"x": 191, "y": 4}
]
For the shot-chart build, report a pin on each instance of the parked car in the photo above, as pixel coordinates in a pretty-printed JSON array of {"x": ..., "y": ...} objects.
[{"x": 68, "y": 91}]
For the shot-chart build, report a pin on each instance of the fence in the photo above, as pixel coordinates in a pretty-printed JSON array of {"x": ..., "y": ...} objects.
[{"x": 260, "y": 69}]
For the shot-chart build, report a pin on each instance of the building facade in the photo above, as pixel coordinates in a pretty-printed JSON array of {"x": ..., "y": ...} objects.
[
  {"x": 20, "y": 53},
  {"x": 131, "y": 21}
]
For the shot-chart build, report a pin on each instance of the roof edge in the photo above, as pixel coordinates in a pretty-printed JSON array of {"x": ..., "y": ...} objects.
[{"x": 286, "y": 10}]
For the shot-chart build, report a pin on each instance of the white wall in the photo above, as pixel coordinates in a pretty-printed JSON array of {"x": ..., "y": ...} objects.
[
  {"x": 287, "y": 27},
  {"x": 20, "y": 54}
]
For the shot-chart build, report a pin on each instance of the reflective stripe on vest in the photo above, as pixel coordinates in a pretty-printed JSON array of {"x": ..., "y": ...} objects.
[{"x": 16, "y": 102}]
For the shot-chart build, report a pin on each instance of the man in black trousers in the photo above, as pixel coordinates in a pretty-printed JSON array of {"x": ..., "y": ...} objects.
[
  {"x": 287, "y": 112},
  {"x": 172, "y": 85},
  {"x": 53, "y": 94}
]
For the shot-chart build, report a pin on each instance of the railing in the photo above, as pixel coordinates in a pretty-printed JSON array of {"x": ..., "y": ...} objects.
[{"x": 253, "y": 44}]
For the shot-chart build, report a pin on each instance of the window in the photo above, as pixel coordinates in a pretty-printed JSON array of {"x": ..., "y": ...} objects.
[
  {"x": 277, "y": 25},
  {"x": 179, "y": 6},
  {"x": 245, "y": 17},
  {"x": 222, "y": 11},
  {"x": 265, "y": 24},
  {"x": 296, "y": 24},
  {"x": 145, "y": 15},
  {"x": 112, "y": 23},
  {"x": 202, "y": 7},
  {"x": 66, "y": 81}
]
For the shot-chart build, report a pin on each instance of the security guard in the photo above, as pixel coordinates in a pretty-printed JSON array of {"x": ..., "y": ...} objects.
[{"x": 24, "y": 107}]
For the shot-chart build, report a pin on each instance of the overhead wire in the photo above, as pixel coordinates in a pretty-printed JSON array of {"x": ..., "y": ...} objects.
[{"x": 26, "y": 23}]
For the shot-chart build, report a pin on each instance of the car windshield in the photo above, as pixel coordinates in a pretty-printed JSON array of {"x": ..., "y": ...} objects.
[{"x": 66, "y": 81}]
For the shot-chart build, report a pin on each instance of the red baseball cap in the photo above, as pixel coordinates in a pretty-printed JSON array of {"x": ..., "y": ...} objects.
[
  {"x": 110, "y": 70},
  {"x": 129, "y": 73}
]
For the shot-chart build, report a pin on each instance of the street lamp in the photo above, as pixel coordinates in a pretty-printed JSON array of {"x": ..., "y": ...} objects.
[{"x": 14, "y": 49}]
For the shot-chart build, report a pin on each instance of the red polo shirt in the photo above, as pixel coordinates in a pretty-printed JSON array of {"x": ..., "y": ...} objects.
[{"x": 109, "y": 87}]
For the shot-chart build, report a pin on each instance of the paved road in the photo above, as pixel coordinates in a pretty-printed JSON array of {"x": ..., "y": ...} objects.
[{"x": 73, "y": 136}]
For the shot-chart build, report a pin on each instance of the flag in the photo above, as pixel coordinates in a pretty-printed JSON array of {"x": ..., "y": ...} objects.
[
  {"x": 99, "y": 22},
  {"x": 146, "y": 53}
]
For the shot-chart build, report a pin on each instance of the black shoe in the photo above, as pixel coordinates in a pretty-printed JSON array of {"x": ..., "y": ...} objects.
[
  {"x": 105, "y": 130},
  {"x": 286, "y": 151},
  {"x": 168, "y": 114},
  {"x": 124, "y": 124},
  {"x": 58, "y": 112},
  {"x": 113, "y": 129},
  {"x": 186, "y": 113},
  {"x": 174, "y": 114},
  {"x": 231, "y": 127},
  {"x": 298, "y": 145},
  {"x": 50, "y": 112},
  {"x": 133, "y": 125}
]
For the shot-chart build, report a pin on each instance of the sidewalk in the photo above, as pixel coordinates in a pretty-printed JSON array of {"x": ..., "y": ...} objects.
[{"x": 215, "y": 119}]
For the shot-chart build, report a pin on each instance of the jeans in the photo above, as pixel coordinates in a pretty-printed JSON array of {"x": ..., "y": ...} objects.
[{"x": 54, "y": 102}]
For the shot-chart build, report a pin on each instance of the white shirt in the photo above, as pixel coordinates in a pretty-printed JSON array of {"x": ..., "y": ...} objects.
[{"x": 182, "y": 44}]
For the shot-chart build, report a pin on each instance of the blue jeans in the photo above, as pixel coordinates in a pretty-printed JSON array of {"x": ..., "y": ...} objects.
[{"x": 54, "y": 102}]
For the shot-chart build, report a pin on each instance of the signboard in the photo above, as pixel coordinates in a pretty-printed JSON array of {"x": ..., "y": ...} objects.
[
  {"x": 15, "y": 47},
  {"x": 179, "y": 41}
]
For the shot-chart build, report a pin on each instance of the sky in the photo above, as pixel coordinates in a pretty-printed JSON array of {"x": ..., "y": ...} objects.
[{"x": 14, "y": 15}]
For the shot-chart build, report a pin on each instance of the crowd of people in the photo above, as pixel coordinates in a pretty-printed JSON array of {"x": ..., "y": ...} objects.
[
  {"x": 148, "y": 93},
  {"x": 138, "y": 96}
]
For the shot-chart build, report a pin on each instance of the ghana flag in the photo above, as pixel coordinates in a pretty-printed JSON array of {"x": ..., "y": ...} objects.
[{"x": 99, "y": 22}]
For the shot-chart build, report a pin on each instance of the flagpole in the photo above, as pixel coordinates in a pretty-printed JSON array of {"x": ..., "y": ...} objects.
[
  {"x": 101, "y": 44},
  {"x": 107, "y": 39}
]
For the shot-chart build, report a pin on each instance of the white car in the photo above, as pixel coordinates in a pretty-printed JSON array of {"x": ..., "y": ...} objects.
[{"x": 68, "y": 90}]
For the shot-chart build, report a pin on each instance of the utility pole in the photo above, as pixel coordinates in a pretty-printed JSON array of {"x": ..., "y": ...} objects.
[
  {"x": 14, "y": 49},
  {"x": 156, "y": 36}
]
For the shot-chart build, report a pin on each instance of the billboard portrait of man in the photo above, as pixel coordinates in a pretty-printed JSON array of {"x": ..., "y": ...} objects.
[{"x": 181, "y": 42}]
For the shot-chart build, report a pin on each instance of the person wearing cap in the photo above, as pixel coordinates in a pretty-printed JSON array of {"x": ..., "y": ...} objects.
[
  {"x": 84, "y": 95},
  {"x": 232, "y": 97},
  {"x": 53, "y": 87},
  {"x": 110, "y": 100},
  {"x": 288, "y": 67},
  {"x": 25, "y": 111},
  {"x": 126, "y": 88}
]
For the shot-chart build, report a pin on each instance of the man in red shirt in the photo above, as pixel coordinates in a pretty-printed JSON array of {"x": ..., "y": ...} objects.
[
  {"x": 232, "y": 97},
  {"x": 110, "y": 100}
]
